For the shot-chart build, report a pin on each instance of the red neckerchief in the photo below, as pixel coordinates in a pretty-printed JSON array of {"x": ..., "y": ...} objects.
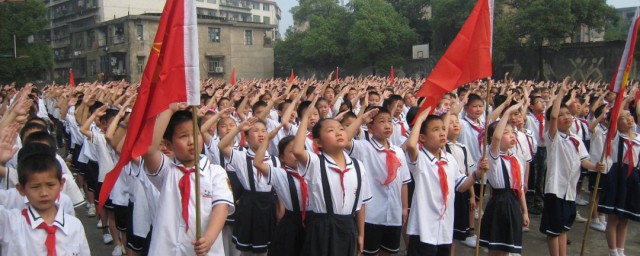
[
  {"x": 50, "y": 243},
  {"x": 629, "y": 155},
  {"x": 315, "y": 146},
  {"x": 303, "y": 190},
  {"x": 184, "y": 184},
  {"x": 540, "y": 118},
  {"x": 515, "y": 173},
  {"x": 480, "y": 131},
  {"x": 392, "y": 164},
  {"x": 341, "y": 172}
]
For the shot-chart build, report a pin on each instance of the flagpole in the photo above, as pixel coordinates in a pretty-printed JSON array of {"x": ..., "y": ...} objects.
[
  {"x": 592, "y": 204},
  {"x": 196, "y": 167},
  {"x": 484, "y": 155}
]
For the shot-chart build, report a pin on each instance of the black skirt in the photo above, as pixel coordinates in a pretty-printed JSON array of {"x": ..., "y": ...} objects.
[
  {"x": 329, "y": 235},
  {"x": 288, "y": 237},
  {"x": 502, "y": 222},
  {"x": 255, "y": 221},
  {"x": 621, "y": 194},
  {"x": 461, "y": 206}
]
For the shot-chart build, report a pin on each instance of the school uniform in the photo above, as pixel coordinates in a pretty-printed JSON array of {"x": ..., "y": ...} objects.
[
  {"x": 461, "y": 204},
  {"x": 171, "y": 233},
  {"x": 595, "y": 154},
  {"x": 472, "y": 136},
  {"x": 502, "y": 219},
  {"x": 400, "y": 131},
  {"x": 531, "y": 145},
  {"x": 292, "y": 191},
  {"x": 11, "y": 199},
  {"x": 566, "y": 152},
  {"x": 335, "y": 195},
  {"x": 383, "y": 220},
  {"x": 536, "y": 123},
  {"x": 22, "y": 233},
  {"x": 621, "y": 188},
  {"x": 255, "y": 218},
  {"x": 430, "y": 224},
  {"x": 522, "y": 151}
]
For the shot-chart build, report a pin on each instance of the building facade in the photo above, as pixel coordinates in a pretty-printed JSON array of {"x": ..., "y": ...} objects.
[
  {"x": 123, "y": 53},
  {"x": 78, "y": 27}
]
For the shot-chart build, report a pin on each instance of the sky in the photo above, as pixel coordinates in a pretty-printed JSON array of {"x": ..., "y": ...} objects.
[{"x": 287, "y": 20}]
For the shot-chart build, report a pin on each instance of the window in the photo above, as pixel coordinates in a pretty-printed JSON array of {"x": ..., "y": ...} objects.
[
  {"x": 93, "y": 68},
  {"x": 248, "y": 37},
  {"x": 214, "y": 35},
  {"x": 141, "y": 64},
  {"x": 140, "y": 31},
  {"x": 256, "y": 5},
  {"x": 211, "y": 1},
  {"x": 214, "y": 65},
  {"x": 266, "y": 20},
  {"x": 265, "y": 7},
  {"x": 256, "y": 18},
  {"x": 200, "y": 0}
]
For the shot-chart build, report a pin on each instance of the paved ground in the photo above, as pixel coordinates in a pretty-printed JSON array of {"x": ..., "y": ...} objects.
[{"x": 534, "y": 241}]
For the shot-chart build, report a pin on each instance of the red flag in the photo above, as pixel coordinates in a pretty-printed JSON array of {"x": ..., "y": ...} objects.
[
  {"x": 467, "y": 59},
  {"x": 292, "y": 77},
  {"x": 393, "y": 76},
  {"x": 233, "y": 76},
  {"x": 620, "y": 78},
  {"x": 337, "y": 74},
  {"x": 72, "y": 81},
  {"x": 172, "y": 75}
]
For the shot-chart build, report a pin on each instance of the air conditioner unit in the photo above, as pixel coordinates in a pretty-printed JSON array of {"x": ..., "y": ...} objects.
[{"x": 219, "y": 69}]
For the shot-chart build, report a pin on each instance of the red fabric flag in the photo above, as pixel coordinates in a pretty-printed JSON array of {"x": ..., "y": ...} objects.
[
  {"x": 172, "y": 75},
  {"x": 393, "y": 76},
  {"x": 291, "y": 77},
  {"x": 620, "y": 78},
  {"x": 467, "y": 59},
  {"x": 233, "y": 76},
  {"x": 72, "y": 80}
]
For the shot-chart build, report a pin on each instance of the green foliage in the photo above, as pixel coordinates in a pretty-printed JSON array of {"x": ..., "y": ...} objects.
[
  {"x": 369, "y": 32},
  {"x": 416, "y": 11},
  {"x": 447, "y": 20},
  {"x": 34, "y": 59}
]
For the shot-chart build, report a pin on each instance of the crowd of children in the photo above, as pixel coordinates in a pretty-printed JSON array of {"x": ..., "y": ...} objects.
[{"x": 318, "y": 167}]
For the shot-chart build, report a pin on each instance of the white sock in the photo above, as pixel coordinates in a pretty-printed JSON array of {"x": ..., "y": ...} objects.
[
  {"x": 613, "y": 252},
  {"x": 620, "y": 252}
]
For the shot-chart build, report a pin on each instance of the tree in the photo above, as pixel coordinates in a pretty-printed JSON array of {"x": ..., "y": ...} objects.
[
  {"x": 417, "y": 12},
  {"x": 34, "y": 59},
  {"x": 324, "y": 43},
  {"x": 379, "y": 36},
  {"x": 448, "y": 17}
]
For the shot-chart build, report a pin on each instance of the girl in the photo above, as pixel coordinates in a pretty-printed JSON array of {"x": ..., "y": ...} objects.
[
  {"x": 291, "y": 189},
  {"x": 506, "y": 211},
  {"x": 338, "y": 190},
  {"x": 436, "y": 177}
]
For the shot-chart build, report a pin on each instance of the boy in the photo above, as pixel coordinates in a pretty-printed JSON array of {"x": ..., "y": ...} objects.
[
  {"x": 536, "y": 123},
  {"x": 42, "y": 228}
]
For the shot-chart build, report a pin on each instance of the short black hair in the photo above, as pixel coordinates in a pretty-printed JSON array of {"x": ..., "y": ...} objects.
[
  {"x": 284, "y": 142},
  {"x": 95, "y": 106},
  {"x": 302, "y": 107},
  {"x": 473, "y": 97},
  {"x": 285, "y": 102},
  {"x": 37, "y": 158},
  {"x": 30, "y": 127},
  {"x": 257, "y": 105},
  {"x": 40, "y": 137},
  {"x": 388, "y": 103},
  {"x": 381, "y": 110},
  {"x": 430, "y": 119},
  {"x": 177, "y": 118}
]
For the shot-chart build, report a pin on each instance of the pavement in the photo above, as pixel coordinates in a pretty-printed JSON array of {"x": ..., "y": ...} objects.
[{"x": 534, "y": 241}]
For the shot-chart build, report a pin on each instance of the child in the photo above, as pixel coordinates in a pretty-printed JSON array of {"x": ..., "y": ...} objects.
[
  {"x": 256, "y": 219},
  {"x": 436, "y": 175},
  {"x": 464, "y": 203},
  {"x": 620, "y": 190},
  {"x": 42, "y": 228},
  {"x": 338, "y": 190},
  {"x": 536, "y": 123},
  {"x": 291, "y": 189},
  {"x": 395, "y": 105},
  {"x": 566, "y": 154},
  {"x": 599, "y": 131},
  {"x": 506, "y": 212},
  {"x": 388, "y": 177},
  {"x": 174, "y": 221}
]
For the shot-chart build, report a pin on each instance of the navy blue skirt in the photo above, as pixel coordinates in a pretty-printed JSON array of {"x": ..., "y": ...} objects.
[
  {"x": 621, "y": 193},
  {"x": 502, "y": 222}
]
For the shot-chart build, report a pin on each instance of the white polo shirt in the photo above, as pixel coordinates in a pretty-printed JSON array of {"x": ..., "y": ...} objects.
[
  {"x": 341, "y": 205},
  {"x": 534, "y": 125},
  {"x": 615, "y": 144},
  {"x": 386, "y": 203},
  {"x": 397, "y": 138},
  {"x": 11, "y": 199},
  {"x": 563, "y": 164},
  {"x": 144, "y": 196},
  {"x": 598, "y": 138},
  {"x": 495, "y": 175},
  {"x": 580, "y": 129},
  {"x": 168, "y": 226},
  {"x": 278, "y": 178},
  {"x": 462, "y": 156},
  {"x": 522, "y": 152},
  {"x": 18, "y": 237},
  {"x": 238, "y": 163},
  {"x": 428, "y": 217},
  {"x": 102, "y": 154},
  {"x": 469, "y": 137}
]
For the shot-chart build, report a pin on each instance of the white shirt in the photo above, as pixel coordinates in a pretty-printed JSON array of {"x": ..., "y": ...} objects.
[
  {"x": 386, "y": 203},
  {"x": 278, "y": 178},
  {"x": 522, "y": 152},
  {"x": 429, "y": 218},
  {"x": 397, "y": 138},
  {"x": 563, "y": 164},
  {"x": 11, "y": 199},
  {"x": 615, "y": 142},
  {"x": 144, "y": 196},
  {"x": 469, "y": 137},
  {"x": 495, "y": 175},
  {"x": 462, "y": 156},
  {"x": 103, "y": 154},
  {"x": 17, "y": 237},
  {"x": 169, "y": 236},
  {"x": 239, "y": 165},
  {"x": 76, "y": 136},
  {"x": 534, "y": 126},
  {"x": 580, "y": 129},
  {"x": 341, "y": 205},
  {"x": 597, "y": 145}
]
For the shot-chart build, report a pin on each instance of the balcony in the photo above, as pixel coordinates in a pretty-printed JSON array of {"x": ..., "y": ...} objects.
[
  {"x": 235, "y": 5},
  {"x": 268, "y": 42}
]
